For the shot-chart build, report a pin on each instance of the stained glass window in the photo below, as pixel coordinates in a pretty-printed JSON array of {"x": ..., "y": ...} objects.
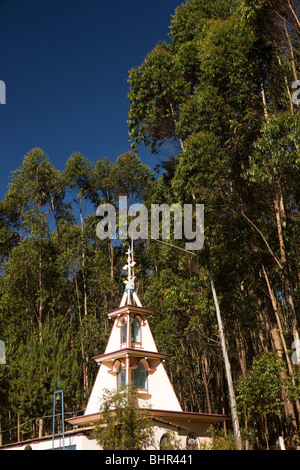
[{"x": 192, "y": 441}]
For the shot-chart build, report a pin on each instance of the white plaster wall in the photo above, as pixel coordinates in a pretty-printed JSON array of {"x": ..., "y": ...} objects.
[
  {"x": 148, "y": 342},
  {"x": 160, "y": 388},
  {"x": 104, "y": 381},
  {"x": 162, "y": 393},
  {"x": 114, "y": 342},
  {"x": 83, "y": 442},
  {"x": 80, "y": 441}
]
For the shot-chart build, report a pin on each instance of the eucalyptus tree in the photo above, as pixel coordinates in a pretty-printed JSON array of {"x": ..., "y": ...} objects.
[
  {"x": 77, "y": 177},
  {"x": 229, "y": 70},
  {"x": 33, "y": 194},
  {"x": 127, "y": 178}
]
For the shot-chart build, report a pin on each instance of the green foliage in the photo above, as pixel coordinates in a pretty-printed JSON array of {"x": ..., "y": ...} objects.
[
  {"x": 260, "y": 393},
  {"x": 156, "y": 90},
  {"x": 277, "y": 153},
  {"x": 169, "y": 441},
  {"x": 35, "y": 372},
  {"x": 125, "y": 427},
  {"x": 77, "y": 175},
  {"x": 220, "y": 440},
  {"x": 190, "y": 18}
]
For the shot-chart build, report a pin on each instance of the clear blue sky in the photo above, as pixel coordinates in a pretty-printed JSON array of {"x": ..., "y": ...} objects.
[{"x": 65, "y": 64}]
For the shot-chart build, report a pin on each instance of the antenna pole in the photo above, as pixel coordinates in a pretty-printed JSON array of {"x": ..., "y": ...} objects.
[{"x": 62, "y": 417}]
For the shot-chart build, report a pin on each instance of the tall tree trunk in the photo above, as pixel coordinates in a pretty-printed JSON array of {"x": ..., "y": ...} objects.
[
  {"x": 83, "y": 261},
  {"x": 40, "y": 308},
  {"x": 281, "y": 334},
  {"x": 294, "y": 14},
  {"x": 205, "y": 381},
  {"x": 278, "y": 320},
  {"x": 175, "y": 122},
  {"x": 286, "y": 274},
  {"x": 84, "y": 358},
  {"x": 287, "y": 86},
  {"x": 241, "y": 349},
  {"x": 235, "y": 419},
  {"x": 279, "y": 350},
  {"x": 264, "y": 99},
  {"x": 291, "y": 51}
]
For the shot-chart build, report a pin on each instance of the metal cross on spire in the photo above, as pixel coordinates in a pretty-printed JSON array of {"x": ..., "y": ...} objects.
[
  {"x": 130, "y": 282},
  {"x": 130, "y": 268}
]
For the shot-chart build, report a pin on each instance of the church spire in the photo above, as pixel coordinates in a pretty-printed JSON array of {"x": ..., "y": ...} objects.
[{"x": 130, "y": 293}]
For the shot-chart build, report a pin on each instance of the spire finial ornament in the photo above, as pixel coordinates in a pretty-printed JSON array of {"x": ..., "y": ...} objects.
[
  {"x": 129, "y": 267},
  {"x": 130, "y": 282}
]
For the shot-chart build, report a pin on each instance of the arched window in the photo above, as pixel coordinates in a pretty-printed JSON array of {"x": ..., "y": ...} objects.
[
  {"x": 124, "y": 332},
  {"x": 136, "y": 331},
  {"x": 121, "y": 377},
  {"x": 167, "y": 442},
  {"x": 192, "y": 441},
  {"x": 140, "y": 377}
]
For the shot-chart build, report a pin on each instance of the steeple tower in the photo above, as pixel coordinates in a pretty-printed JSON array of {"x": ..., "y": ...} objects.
[{"x": 131, "y": 358}]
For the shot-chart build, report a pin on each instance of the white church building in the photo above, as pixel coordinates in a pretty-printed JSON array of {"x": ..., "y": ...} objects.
[{"x": 131, "y": 358}]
